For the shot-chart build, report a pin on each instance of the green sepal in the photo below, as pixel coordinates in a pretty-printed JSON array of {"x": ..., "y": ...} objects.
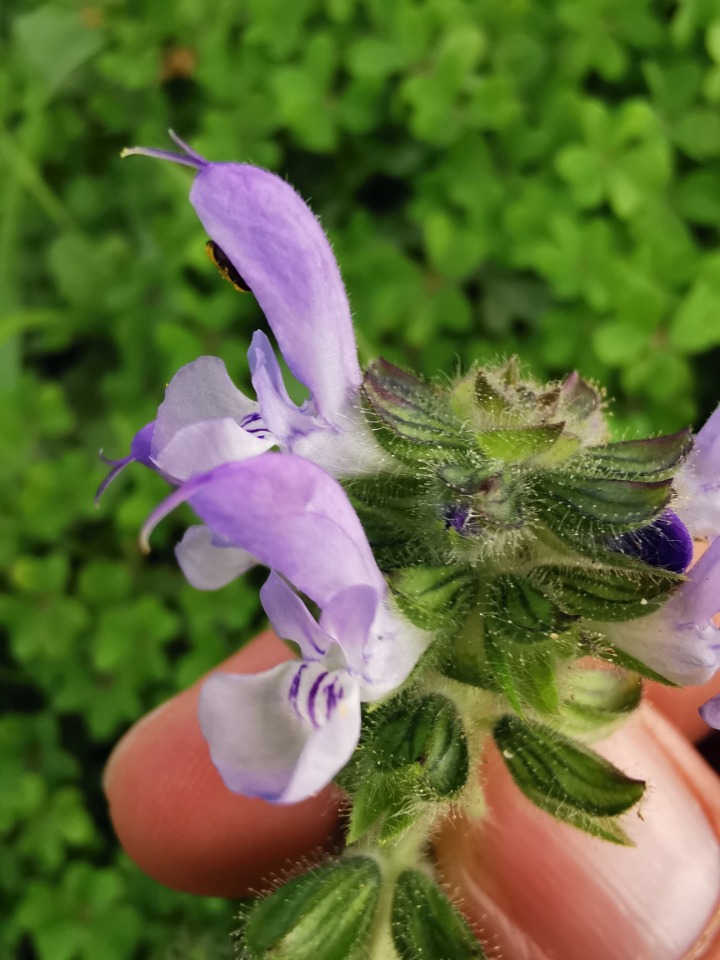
[
  {"x": 565, "y": 779},
  {"x": 519, "y": 443},
  {"x": 434, "y": 598},
  {"x": 577, "y": 398},
  {"x": 488, "y": 398},
  {"x": 575, "y": 506},
  {"x": 654, "y": 458},
  {"x": 383, "y": 796},
  {"x": 413, "y": 750},
  {"x": 499, "y": 503},
  {"x": 598, "y": 700},
  {"x": 466, "y": 478},
  {"x": 525, "y": 674},
  {"x": 426, "y": 925},
  {"x": 428, "y": 732},
  {"x": 522, "y": 612},
  {"x": 325, "y": 914},
  {"x": 601, "y": 647},
  {"x": 624, "y": 591},
  {"x": 410, "y": 419}
]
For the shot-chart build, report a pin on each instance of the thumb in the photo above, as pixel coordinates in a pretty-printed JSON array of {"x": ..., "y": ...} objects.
[{"x": 536, "y": 889}]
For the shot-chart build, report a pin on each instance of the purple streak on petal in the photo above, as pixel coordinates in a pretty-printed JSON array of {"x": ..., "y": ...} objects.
[
  {"x": 207, "y": 563},
  {"x": 312, "y": 697},
  {"x": 289, "y": 514},
  {"x": 664, "y": 543},
  {"x": 291, "y": 619},
  {"x": 282, "y": 417},
  {"x": 272, "y": 238},
  {"x": 260, "y": 746},
  {"x": 295, "y": 689},
  {"x": 699, "y": 598},
  {"x": 199, "y": 391},
  {"x": 201, "y": 447},
  {"x": 333, "y": 695},
  {"x": 253, "y": 423},
  {"x": 710, "y": 712},
  {"x": 139, "y": 452}
]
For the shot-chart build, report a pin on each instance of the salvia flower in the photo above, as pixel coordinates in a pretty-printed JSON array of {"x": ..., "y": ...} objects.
[
  {"x": 284, "y": 734},
  {"x": 444, "y": 556},
  {"x": 266, "y": 238}
]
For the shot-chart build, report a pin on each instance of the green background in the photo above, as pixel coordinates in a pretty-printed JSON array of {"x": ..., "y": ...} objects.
[{"x": 497, "y": 176}]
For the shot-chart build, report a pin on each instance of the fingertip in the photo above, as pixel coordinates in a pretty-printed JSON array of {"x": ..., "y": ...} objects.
[{"x": 177, "y": 820}]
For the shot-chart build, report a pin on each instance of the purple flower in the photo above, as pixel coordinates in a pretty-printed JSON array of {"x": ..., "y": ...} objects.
[
  {"x": 698, "y": 483},
  {"x": 679, "y": 640},
  {"x": 284, "y": 734},
  {"x": 271, "y": 238}
]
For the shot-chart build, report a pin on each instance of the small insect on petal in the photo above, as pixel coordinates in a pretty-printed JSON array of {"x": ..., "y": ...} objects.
[{"x": 225, "y": 268}]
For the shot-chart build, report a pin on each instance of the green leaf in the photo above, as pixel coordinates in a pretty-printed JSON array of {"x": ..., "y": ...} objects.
[
  {"x": 651, "y": 459},
  {"x": 325, "y": 914},
  {"x": 434, "y": 598},
  {"x": 425, "y": 924},
  {"x": 606, "y": 593},
  {"x": 56, "y": 43},
  {"x": 567, "y": 780}
]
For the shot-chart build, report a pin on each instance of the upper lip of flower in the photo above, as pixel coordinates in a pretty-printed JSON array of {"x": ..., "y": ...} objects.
[
  {"x": 272, "y": 238},
  {"x": 275, "y": 242}
]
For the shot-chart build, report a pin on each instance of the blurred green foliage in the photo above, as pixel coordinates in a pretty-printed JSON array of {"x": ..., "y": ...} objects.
[{"x": 497, "y": 176}]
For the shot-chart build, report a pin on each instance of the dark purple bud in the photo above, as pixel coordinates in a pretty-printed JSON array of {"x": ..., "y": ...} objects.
[
  {"x": 664, "y": 543},
  {"x": 456, "y": 515}
]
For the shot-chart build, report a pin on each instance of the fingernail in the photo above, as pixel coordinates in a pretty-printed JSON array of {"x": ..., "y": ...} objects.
[{"x": 537, "y": 889}]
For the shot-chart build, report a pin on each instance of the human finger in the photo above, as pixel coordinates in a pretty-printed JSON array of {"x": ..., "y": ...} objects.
[
  {"x": 535, "y": 888},
  {"x": 179, "y": 822}
]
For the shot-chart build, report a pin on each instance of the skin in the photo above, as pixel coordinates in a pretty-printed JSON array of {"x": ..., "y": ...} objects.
[{"x": 533, "y": 889}]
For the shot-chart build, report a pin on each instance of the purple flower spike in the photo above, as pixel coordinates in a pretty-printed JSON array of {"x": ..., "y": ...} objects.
[
  {"x": 665, "y": 543},
  {"x": 284, "y": 734}
]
